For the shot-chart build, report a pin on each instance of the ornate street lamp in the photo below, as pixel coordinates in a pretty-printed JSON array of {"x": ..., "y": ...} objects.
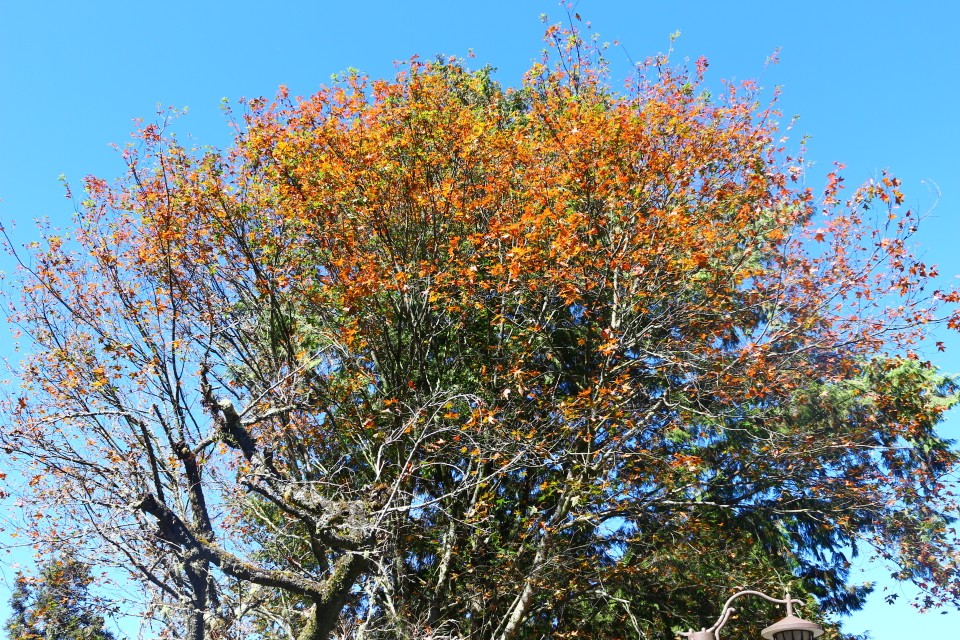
[{"x": 790, "y": 628}]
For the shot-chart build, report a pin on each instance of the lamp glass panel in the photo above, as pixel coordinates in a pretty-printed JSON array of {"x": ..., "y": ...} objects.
[{"x": 793, "y": 634}]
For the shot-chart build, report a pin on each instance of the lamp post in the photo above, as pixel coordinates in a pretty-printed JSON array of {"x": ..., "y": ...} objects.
[{"x": 790, "y": 628}]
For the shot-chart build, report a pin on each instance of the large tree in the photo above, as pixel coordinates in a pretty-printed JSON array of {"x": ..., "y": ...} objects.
[{"x": 431, "y": 356}]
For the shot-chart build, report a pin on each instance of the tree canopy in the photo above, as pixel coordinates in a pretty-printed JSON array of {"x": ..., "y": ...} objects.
[
  {"x": 57, "y": 605},
  {"x": 431, "y": 357}
]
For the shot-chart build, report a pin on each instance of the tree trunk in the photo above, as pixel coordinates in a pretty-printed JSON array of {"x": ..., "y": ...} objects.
[{"x": 197, "y": 573}]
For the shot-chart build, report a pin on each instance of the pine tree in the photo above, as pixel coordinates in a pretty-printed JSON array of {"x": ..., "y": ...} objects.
[
  {"x": 57, "y": 605},
  {"x": 21, "y": 624}
]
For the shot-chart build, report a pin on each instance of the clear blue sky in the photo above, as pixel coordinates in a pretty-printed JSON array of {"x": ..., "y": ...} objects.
[{"x": 875, "y": 85}]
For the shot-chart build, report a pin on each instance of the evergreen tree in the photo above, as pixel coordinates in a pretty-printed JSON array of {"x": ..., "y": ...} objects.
[{"x": 56, "y": 605}]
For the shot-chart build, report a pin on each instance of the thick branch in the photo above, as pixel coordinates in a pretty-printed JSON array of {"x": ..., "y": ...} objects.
[{"x": 175, "y": 529}]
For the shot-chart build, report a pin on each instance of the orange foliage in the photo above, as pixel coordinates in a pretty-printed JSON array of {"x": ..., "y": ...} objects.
[{"x": 507, "y": 362}]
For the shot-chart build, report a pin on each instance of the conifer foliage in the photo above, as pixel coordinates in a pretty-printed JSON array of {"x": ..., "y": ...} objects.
[{"x": 56, "y": 605}]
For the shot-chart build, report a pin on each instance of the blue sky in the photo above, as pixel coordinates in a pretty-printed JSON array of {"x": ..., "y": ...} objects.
[{"x": 875, "y": 85}]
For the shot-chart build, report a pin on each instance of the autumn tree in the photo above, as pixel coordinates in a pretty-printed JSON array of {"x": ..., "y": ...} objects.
[
  {"x": 430, "y": 356},
  {"x": 56, "y": 605}
]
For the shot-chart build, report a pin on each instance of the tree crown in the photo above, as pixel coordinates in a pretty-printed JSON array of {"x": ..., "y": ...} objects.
[{"x": 432, "y": 355}]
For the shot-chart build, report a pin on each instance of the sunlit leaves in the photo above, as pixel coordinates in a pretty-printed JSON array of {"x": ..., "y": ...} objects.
[{"x": 550, "y": 360}]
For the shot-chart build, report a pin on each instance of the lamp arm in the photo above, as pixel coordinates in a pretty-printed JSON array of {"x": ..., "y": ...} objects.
[{"x": 728, "y": 610}]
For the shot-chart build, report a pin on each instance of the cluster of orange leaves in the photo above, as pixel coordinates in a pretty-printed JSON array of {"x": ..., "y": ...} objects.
[{"x": 611, "y": 269}]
